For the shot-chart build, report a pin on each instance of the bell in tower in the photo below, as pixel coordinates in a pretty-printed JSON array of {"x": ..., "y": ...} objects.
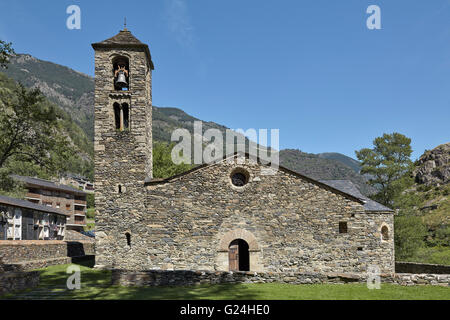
[{"x": 121, "y": 75}]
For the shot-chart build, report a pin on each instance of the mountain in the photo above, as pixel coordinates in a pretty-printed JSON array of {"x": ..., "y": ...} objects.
[
  {"x": 74, "y": 93},
  {"x": 349, "y": 162},
  {"x": 165, "y": 120},
  {"x": 319, "y": 168}
]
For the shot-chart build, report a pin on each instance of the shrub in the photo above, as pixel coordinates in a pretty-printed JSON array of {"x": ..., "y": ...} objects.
[{"x": 410, "y": 232}]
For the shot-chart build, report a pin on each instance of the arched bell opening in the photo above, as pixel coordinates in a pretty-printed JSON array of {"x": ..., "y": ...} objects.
[
  {"x": 121, "y": 73},
  {"x": 121, "y": 116}
]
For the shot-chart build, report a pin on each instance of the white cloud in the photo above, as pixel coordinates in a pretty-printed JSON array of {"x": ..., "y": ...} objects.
[{"x": 178, "y": 22}]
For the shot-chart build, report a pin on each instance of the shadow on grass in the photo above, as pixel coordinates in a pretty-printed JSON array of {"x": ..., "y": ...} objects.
[{"x": 96, "y": 284}]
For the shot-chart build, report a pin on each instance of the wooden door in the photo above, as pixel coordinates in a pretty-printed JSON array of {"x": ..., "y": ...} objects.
[{"x": 233, "y": 257}]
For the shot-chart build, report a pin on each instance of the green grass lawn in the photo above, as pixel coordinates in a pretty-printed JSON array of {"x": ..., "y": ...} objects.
[{"x": 95, "y": 284}]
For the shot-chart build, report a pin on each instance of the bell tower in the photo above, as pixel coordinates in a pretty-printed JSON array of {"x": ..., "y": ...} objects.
[{"x": 122, "y": 142}]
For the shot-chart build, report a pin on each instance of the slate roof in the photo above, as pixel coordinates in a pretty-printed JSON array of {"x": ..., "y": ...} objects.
[
  {"x": 349, "y": 187},
  {"x": 124, "y": 39},
  {"x": 30, "y": 205},
  {"x": 48, "y": 185}
]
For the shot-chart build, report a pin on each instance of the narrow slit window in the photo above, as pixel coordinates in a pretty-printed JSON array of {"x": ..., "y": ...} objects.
[{"x": 128, "y": 235}]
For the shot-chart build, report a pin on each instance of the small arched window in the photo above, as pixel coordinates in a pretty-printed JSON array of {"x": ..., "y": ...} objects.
[{"x": 384, "y": 233}]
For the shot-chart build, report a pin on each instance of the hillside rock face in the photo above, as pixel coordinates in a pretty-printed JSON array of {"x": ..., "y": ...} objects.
[{"x": 434, "y": 166}]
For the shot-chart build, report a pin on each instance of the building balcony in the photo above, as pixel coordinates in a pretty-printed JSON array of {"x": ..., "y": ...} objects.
[
  {"x": 76, "y": 223},
  {"x": 33, "y": 196},
  {"x": 80, "y": 202},
  {"x": 79, "y": 213}
]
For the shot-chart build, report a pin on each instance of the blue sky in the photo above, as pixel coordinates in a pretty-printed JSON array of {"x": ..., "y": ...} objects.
[{"x": 309, "y": 68}]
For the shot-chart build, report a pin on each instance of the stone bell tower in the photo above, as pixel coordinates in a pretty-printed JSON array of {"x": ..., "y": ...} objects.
[{"x": 122, "y": 144}]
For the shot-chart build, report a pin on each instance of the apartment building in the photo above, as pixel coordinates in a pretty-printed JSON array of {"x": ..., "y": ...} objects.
[
  {"x": 78, "y": 181},
  {"x": 24, "y": 220},
  {"x": 65, "y": 198}
]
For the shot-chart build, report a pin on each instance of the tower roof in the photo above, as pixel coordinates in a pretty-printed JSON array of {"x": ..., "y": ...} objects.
[{"x": 124, "y": 39}]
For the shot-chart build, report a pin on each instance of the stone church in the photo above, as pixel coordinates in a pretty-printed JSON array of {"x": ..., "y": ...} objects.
[{"x": 225, "y": 216}]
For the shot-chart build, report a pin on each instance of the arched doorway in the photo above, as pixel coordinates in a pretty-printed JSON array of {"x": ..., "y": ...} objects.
[{"x": 238, "y": 255}]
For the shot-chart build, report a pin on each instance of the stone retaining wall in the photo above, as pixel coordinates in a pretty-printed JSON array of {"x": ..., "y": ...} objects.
[
  {"x": 32, "y": 254},
  {"x": 187, "y": 278},
  {"x": 412, "y": 267},
  {"x": 13, "y": 281}
]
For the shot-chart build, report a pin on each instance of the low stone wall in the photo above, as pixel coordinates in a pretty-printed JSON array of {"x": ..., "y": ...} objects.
[
  {"x": 409, "y": 279},
  {"x": 412, "y": 267},
  {"x": 188, "y": 278},
  {"x": 72, "y": 235},
  {"x": 32, "y": 254},
  {"x": 13, "y": 281}
]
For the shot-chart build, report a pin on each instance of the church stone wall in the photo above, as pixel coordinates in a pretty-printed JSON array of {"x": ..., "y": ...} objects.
[{"x": 290, "y": 224}]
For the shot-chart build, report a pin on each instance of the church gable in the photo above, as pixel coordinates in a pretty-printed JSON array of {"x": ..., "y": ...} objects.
[{"x": 244, "y": 175}]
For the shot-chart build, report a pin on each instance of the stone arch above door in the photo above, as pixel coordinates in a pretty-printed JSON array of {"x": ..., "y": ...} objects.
[
  {"x": 239, "y": 234},
  {"x": 254, "y": 249}
]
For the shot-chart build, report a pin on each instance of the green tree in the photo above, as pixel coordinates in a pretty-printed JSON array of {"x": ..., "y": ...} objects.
[
  {"x": 90, "y": 199},
  {"x": 410, "y": 233},
  {"x": 31, "y": 138},
  {"x": 6, "y": 51},
  {"x": 388, "y": 165},
  {"x": 163, "y": 166}
]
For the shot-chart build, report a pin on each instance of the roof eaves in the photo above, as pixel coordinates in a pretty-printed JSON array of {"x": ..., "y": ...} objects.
[
  {"x": 29, "y": 205},
  {"x": 48, "y": 184}
]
